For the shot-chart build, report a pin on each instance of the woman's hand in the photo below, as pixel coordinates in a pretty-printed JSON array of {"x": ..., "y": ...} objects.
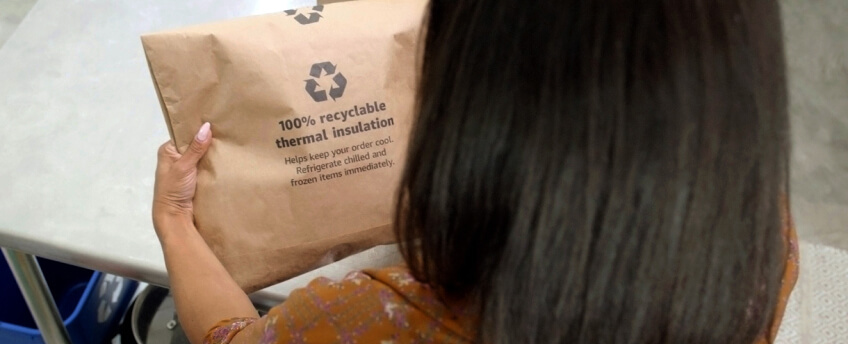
[
  {"x": 176, "y": 179},
  {"x": 203, "y": 290}
]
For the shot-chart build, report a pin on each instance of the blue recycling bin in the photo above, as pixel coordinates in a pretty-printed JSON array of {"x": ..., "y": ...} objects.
[{"x": 91, "y": 303}]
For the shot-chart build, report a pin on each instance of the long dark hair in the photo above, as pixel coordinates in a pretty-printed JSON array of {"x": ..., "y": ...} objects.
[{"x": 601, "y": 171}]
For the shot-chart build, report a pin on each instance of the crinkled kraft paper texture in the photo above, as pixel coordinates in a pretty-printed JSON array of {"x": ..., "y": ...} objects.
[{"x": 310, "y": 112}]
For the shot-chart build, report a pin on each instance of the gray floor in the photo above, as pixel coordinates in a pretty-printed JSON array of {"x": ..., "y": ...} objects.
[{"x": 817, "y": 50}]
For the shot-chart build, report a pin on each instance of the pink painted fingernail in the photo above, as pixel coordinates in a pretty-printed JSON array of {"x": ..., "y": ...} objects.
[{"x": 203, "y": 133}]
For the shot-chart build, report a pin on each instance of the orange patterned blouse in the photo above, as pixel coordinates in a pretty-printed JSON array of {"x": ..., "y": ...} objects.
[
  {"x": 373, "y": 306},
  {"x": 389, "y": 306}
]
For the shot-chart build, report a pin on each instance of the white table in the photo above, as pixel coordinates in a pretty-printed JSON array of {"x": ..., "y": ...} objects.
[{"x": 79, "y": 127}]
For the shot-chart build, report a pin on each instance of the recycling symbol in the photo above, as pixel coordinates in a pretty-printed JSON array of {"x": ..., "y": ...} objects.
[
  {"x": 312, "y": 18},
  {"x": 336, "y": 90},
  {"x": 110, "y": 292}
]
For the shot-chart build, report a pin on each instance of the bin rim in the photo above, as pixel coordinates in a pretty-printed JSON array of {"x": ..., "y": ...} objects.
[{"x": 92, "y": 282}]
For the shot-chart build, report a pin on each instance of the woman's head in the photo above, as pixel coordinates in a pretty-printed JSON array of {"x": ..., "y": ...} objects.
[{"x": 601, "y": 171}]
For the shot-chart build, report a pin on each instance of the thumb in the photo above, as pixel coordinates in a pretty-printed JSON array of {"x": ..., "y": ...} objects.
[{"x": 198, "y": 146}]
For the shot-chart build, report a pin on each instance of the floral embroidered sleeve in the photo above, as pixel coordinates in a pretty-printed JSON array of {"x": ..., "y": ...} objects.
[{"x": 381, "y": 306}]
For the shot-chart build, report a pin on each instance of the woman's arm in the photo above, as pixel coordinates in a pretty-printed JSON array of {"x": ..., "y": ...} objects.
[{"x": 204, "y": 292}]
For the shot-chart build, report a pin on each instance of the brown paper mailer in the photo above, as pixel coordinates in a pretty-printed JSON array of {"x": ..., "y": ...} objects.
[{"x": 310, "y": 112}]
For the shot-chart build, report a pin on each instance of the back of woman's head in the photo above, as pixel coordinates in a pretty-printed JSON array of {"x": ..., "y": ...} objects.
[{"x": 601, "y": 171}]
